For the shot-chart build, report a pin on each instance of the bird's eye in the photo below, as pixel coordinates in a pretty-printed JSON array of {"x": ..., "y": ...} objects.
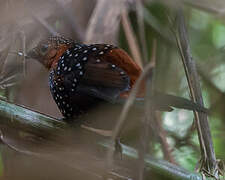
[{"x": 44, "y": 49}]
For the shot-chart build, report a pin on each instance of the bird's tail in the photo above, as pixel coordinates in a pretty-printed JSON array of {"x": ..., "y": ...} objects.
[
  {"x": 166, "y": 102},
  {"x": 163, "y": 100}
]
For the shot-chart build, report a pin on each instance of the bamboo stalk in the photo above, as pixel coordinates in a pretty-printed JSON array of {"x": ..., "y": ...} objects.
[
  {"x": 208, "y": 162},
  {"x": 13, "y": 116}
]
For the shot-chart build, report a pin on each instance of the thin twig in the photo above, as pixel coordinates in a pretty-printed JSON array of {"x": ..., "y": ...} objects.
[
  {"x": 217, "y": 7},
  {"x": 125, "y": 110},
  {"x": 144, "y": 138},
  {"x": 157, "y": 26},
  {"x": 72, "y": 20},
  {"x": 163, "y": 139},
  {"x": 104, "y": 22},
  {"x": 23, "y": 38},
  {"x": 140, "y": 15},
  {"x": 131, "y": 38},
  {"x": 5, "y": 80},
  {"x": 3, "y": 58},
  {"x": 149, "y": 116},
  {"x": 42, "y": 22}
]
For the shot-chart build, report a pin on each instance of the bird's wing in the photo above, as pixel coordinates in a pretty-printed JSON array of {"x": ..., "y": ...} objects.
[
  {"x": 109, "y": 73},
  {"x": 83, "y": 70},
  {"x": 103, "y": 80}
]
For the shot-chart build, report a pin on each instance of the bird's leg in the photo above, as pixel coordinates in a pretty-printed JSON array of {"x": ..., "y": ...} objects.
[
  {"x": 118, "y": 147},
  {"x": 73, "y": 121},
  {"x": 66, "y": 119}
]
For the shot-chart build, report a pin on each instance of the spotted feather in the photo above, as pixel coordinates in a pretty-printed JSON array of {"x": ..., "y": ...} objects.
[{"x": 82, "y": 73}]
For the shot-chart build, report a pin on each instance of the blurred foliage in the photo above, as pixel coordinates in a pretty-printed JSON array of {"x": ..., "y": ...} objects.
[
  {"x": 1, "y": 167},
  {"x": 207, "y": 37}
]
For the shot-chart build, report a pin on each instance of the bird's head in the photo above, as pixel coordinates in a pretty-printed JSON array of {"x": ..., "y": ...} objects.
[{"x": 48, "y": 51}]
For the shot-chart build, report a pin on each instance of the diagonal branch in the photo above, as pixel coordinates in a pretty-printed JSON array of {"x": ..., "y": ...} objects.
[
  {"x": 104, "y": 22},
  {"x": 209, "y": 164},
  {"x": 18, "y": 117}
]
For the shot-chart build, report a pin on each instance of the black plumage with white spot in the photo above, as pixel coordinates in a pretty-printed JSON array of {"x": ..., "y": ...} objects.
[{"x": 79, "y": 75}]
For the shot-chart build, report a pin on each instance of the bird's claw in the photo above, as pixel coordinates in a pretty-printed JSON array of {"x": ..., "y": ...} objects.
[{"x": 118, "y": 147}]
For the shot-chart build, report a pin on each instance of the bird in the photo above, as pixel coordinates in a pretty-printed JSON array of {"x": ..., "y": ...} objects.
[{"x": 84, "y": 75}]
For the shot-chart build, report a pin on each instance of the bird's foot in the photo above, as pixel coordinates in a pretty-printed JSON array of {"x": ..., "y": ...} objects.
[
  {"x": 118, "y": 148},
  {"x": 66, "y": 119},
  {"x": 72, "y": 121}
]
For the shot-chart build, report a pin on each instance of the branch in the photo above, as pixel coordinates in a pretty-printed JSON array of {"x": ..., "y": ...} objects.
[
  {"x": 208, "y": 162},
  {"x": 104, "y": 22},
  {"x": 14, "y": 116}
]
